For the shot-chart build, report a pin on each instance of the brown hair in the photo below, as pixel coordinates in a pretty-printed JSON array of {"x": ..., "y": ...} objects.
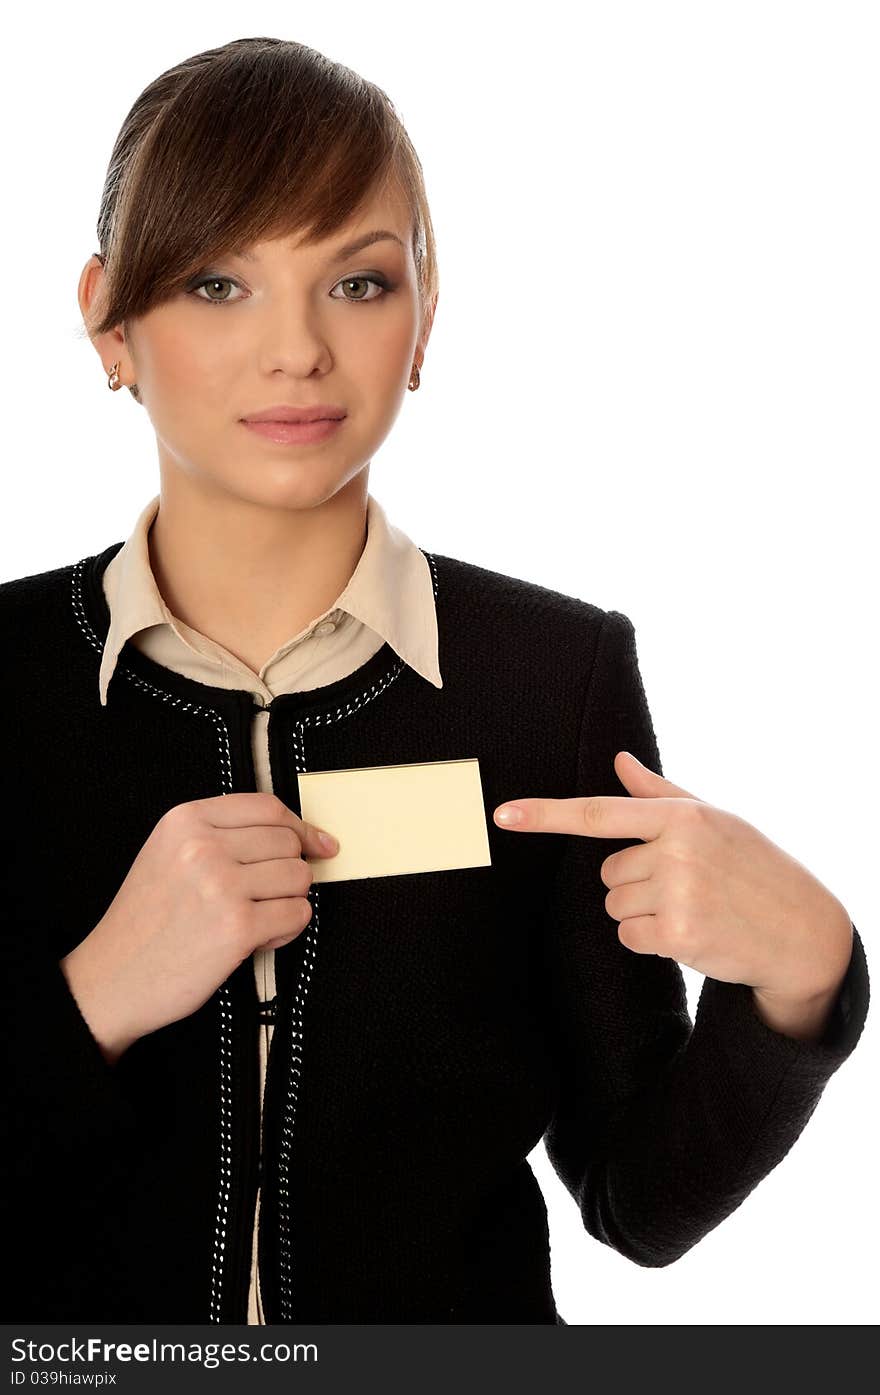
[{"x": 255, "y": 139}]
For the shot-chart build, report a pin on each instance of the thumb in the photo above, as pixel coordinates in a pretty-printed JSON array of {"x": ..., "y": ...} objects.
[
  {"x": 641, "y": 780},
  {"x": 317, "y": 842}
]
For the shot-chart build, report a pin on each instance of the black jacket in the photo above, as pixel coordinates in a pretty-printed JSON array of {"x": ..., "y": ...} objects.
[{"x": 432, "y": 1028}]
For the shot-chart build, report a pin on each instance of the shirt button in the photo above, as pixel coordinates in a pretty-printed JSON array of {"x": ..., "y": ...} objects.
[{"x": 326, "y": 627}]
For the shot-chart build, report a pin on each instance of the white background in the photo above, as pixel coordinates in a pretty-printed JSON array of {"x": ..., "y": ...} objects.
[{"x": 652, "y": 384}]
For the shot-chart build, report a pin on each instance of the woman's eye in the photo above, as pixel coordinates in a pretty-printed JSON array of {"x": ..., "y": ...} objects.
[
  {"x": 378, "y": 281},
  {"x": 211, "y": 283}
]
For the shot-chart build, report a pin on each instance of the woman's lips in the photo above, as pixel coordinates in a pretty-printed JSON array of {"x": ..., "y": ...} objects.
[{"x": 288, "y": 433}]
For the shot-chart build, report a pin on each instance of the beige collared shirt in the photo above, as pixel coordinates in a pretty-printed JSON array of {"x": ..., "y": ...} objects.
[{"x": 389, "y": 597}]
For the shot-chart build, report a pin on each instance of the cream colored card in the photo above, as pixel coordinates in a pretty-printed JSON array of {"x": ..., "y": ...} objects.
[{"x": 390, "y": 819}]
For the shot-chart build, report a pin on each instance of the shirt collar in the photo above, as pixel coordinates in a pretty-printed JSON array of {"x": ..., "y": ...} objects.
[{"x": 391, "y": 590}]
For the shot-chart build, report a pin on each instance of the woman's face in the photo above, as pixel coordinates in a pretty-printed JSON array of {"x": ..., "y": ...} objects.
[{"x": 301, "y": 326}]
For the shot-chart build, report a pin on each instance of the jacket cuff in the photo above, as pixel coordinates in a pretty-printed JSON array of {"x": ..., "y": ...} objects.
[{"x": 768, "y": 1053}]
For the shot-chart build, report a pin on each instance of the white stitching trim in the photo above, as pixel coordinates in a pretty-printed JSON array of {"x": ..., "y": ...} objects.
[{"x": 302, "y": 987}]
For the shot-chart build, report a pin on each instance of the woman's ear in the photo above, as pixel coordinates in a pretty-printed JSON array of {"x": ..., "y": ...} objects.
[
  {"x": 427, "y": 326},
  {"x": 110, "y": 346},
  {"x": 91, "y": 289}
]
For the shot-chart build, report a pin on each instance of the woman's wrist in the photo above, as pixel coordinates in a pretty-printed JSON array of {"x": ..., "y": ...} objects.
[{"x": 111, "y": 1039}]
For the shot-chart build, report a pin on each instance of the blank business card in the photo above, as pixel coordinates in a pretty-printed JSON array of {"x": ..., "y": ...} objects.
[{"x": 392, "y": 819}]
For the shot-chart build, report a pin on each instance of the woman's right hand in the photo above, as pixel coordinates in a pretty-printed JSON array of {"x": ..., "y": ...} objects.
[{"x": 216, "y": 879}]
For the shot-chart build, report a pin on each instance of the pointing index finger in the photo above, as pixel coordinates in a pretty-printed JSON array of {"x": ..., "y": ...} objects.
[{"x": 592, "y": 816}]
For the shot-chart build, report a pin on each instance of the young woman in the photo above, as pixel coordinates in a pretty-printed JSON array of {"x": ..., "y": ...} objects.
[{"x": 241, "y": 1087}]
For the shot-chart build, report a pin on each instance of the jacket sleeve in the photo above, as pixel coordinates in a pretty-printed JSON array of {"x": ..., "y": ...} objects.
[
  {"x": 68, "y": 1129},
  {"x": 662, "y": 1127},
  {"x": 57, "y": 1084}
]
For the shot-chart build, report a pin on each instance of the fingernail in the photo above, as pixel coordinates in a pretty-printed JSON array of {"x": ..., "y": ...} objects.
[
  {"x": 509, "y": 813},
  {"x": 328, "y": 842}
]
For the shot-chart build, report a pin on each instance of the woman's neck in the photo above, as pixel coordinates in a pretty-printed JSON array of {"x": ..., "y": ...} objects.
[{"x": 248, "y": 576}]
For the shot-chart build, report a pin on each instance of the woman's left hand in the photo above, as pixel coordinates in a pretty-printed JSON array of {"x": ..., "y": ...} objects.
[{"x": 705, "y": 887}]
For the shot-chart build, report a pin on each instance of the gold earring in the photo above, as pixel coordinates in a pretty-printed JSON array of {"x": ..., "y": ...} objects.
[
  {"x": 413, "y": 386},
  {"x": 113, "y": 379}
]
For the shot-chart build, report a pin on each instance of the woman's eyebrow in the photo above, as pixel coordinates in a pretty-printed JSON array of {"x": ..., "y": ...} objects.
[{"x": 341, "y": 253}]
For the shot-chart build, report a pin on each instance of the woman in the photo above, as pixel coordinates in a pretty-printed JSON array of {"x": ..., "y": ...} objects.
[{"x": 260, "y": 1091}]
